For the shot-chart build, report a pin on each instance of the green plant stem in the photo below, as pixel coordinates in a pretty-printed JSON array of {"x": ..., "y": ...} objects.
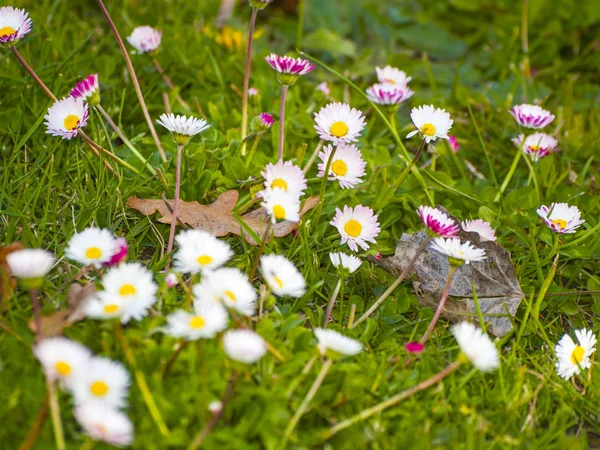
[
  {"x": 59, "y": 437},
  {"x": 540, "y": 298},
  {"x": 176, "y": 199},
  {"x": 583, "y": 237},
  {"x": 483, "y": 147},
  {"x": 336, "y": 291},
  {"x": 511, "y": 172},
  {"x": 37, "y": 314},
  {"x": 313, "y": 157},
  {"x": 533, "y": 172},
  {"x": 305, "y": 370},
  {"x": 440, "y": 307},
  {"x": 324, "y": 185},
  {"x": 412, "y": 163},
  {"x": 169, "y": 83},
  {"x": 253, "y": 149},
  {"x": 247, "y": 79},
  {"x": 261, "y": 249},
  {"x": 284, "y": 90}
]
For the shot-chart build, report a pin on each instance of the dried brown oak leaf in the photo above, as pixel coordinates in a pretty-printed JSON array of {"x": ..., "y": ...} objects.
[
  {"x": 216, "y": 218},
  {"x": 493, "y": 279}
]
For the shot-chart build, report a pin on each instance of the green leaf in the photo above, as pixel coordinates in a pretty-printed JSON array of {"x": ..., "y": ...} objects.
[{"x": 327, "y": 41}]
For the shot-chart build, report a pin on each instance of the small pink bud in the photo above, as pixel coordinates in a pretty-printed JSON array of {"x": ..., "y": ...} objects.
[
  {"x": 453, "y": 143},
  {"x": 215, "y": 407},
  {"x": 414, "y": 347},
  {"x": 120, "y": 255},
  {"x": 171, "y": 280},
  {"x": 378, "y": 256}
]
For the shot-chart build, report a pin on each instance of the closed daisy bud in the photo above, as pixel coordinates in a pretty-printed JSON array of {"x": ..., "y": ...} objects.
[
  {"x": 120, "y": 254},
  {"x": 259, "y": 4},
  {"x": 476, "y": 346},
  {"x": 437, "y": 223},
  {"x": 347, "y": 166},
  {"x": 484, "y": 229},
  {"x": 337, "y": 122},
  {"x": 215, "y": 406},
  {"x": 262, "y": 123},
  {"x": 199, "y": 251},
  {"x": 456, "y": 252},
  {"x": 254, "y": 97},
  {"x": 88, "y": 89},
  {"x": 561, "y": 218},
  {"x": 348, "y": 262},
  {"x": 227, "y": 286},
  {"x": 244, "y": 346},
  {"x": 62, "y": 359},
  {"x": 324, "y": 89},
  {"x": 572, "y": 357},
  {"x": 357, "y": 226},
  {"x": 389, "y": 94},
  {"x": 335, "y": 345},
  {"x": 204, "y": 323},
  {"x": 391, "y": 75},
  {"x": 171, "y": 280},
  {"x": 281, "y": 205},
  {"x": 65, "y": 117},
  {"x": 289, "y": 69},
  {"x": 182, "y": 128},
  {"x": 454, "y": 145},
  {"x": 145, "y": 39},
  {"x": 284, "y": 175},
  {"x": 105, "y": 382},
  {"x": 531, "y": 116},
  {"x": 282, "y": 276},
  {"x": 14, "y": 25},
  {"x": 432, "y": 123},
  {"x": 92, "y": 247},
  {"x": 30, "y": 266},
  {"x": 105, "y": 424},
  {"x": 537, "y": 145}
]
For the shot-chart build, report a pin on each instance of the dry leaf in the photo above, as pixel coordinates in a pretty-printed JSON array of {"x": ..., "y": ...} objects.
[
  {"x": 216, "y": 218},
  {"x": 7, "y": 282}
]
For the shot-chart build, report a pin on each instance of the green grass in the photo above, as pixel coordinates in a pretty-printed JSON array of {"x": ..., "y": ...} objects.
[{"x": 460, "y": 54}]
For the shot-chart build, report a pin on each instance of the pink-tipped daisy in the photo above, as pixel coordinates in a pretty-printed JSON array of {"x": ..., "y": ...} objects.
[
  {"x": 454, "y": 145},
  {"x": 347, "y": 166},
  {"x": 357, "y": 226},
  {"x": 437, "y": 222},
  {"x": 119, "y": 255},
  {"x": 337, "y": 122},
  {"x": 65, "y": 117},
  {"x": 391, "y": 75},
  {"x": 88, "y": 89},
  {"x": 537, "y": 145},
  {"x": 288, "y": 68},
  {"x": 262, "y": 123},
  {"x": 389, "y": 94},
  {"x": 14, "y": 24},
  {"x": 284, "y": 175},
  {"x": 432, "y": 123},
  {"x": 484, "y": 229},
  {"x": 561, "y": 218},
  {"x": 531, "y": 116},
  {"x": 145, "y": 39}
]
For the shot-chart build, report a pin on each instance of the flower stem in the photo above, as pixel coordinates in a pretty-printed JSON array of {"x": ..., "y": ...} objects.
[
  {"x": 134, "y": 79},
  {"x": 313, "y": 157},
  {"x": 305, "y": 371},
  {"x": 98, "y": 148},
  {"x": 284, "y": 90},
  {"x": 392, "y": 401},
  {"x": 336, "y": 291},
  {"x": 408, "y": 168},
  {"x": 265, "y": 238},
  {"x": 176, "y": 199},
  {"x": 540, "y": 298},
  {"x": 253, "y": 149},
  {"x": 395, "y": 284},
  {"x": 511, "y": 172},
  {"x": 59, "y": 437},
  {"x": 35, "y": 305},
  {"x": 247, "y": 80},
  {"x": 440, "y": 307},
  {"x": 183, "y": 344},
  {"x": 324, "y": 184},
  {"x": 169, "y": 83}
]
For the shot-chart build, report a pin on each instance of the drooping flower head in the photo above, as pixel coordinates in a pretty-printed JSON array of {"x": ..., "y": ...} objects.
[
  {"x": 348, "y": 262},
  {"x": 484, "y": 229},
  {"x": 120, "y": 254},
  {"x": 93, "y": 246},
  {"x": 347, "y": 166},
  {"x": 335, "y": 345},
  {"x": 337, "y": 122},
  {"x": 65, "y": 117},
  {"x": 200, "y": 251},
  {"x": 289, "y": 69},
  {"x": 145, "y": 39},
  {"x": 105, "y": 424},
  {"x": 204, "y": 323},
  {"x": 244, "y": 346},
  {"x": 536, "y": 145},
  {"x": 226, "y": 286},
  {"x": 572, "y": 357},
  {"x": 531, "y": 116},
  {"x": 105, "y": 382},
  {"x": 391, "y": 75},
  {"x": 183, "y": 128},
  {"x": 14, "y": 24},
  {"x": 88, "y": 89},
  {"x": 437, "y": 222},
  {"x": 476, "y": 346},
  {"x": 262, "y": 123},
  {"x": 389, "y": 94},
  {"x": 281, "y": 205},
  {"x": 30, "y": 265},
  {"x": 357, "y": 226},
  {"x": 284, "y": 175},
  {"x": 456, "y": 252},
  {"x": 62, "y": 359},
  {"x": 432, "y": 123},
  {"x": 561, "y": 218},
  {"x": 282, "y": 276}
]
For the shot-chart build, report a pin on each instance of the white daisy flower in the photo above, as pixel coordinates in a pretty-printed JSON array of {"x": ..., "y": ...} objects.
[
  {"x": 281, "y": 205},
  {"x": 561, "y": 218},
  {"x": 30, "y": 263},
  {"x": 282, "y": 276},
  {"x": 433, "y": 123},
  {"x": 347, "y": 166},
  {"x": 104, "y": 382},
  {"x": 244, "y": 346},
  {"x": 349, "y": 262},
  {"x": 337, "y": 122},
  {"x": 205, "y": 322},
  {"x": 458, "y": 252},
  {"x": 289, "y": 69},
  {"x": 227, "y": 286},
  {"x": 106, "y": 305},
  {"x": 336, "y": 342},
  {"x": 65, "y": 117},
  {"x": 62, "y": 359},
  {"x": 183, "y": 128},
  {"x": 93, "y": 246},
  {"x": 391, "y": 75},
  {"x": 572, "y": 357},
  {"x": 477, "y": 346},
  {"x": 286, "y": 176},
  {"x": 171, "y": 280},
  {"x": 145, "y": 39},
  {"x": 357, "y": 226},
  {"x": 199, "y": 251},
  {"x": 135, "y": 284},
  {"x": 389, "y": 94},
  {"x": 484, "y": 229},
  {"x": 536, "y": 145},
  {"x": 531, "y": 116},
  {"x": 437, "y": 222},
  {"x": 88, "y": 89},
  {"x": 102, "y": 423},
  {"x": 14, "y": 24}
]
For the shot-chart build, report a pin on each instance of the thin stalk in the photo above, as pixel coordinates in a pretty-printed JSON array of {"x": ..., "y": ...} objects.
[
  {"x": 511, "y": 172},
  {"x": 183, "y": 344},
  {"x": 96, "y": 147},
  {"x": 525, "y": 37},
  {"x": 392, "y": 401},
  {"x": 483, "y": 147},
  {"x": 305, "y": 371},
  {"x": 440, "y": 307},
  {"x": 247, "y": 79},
  {"x": 412, "y": 163},
  {"x": 313, "y": 157},
  {"x": 533, "y": 172},
  {"x": 176, "y": 199},
  {"x": 291, "y": 426},
  {"x": 35, "y": 304},
  {"x": 169, "y": 83},
  {"x": 253, "y": 149},
  {"x": 134, "y": 80},
  {"x": 59, "y": 437},
  {"x": 583, "y": 237},
  {"x": 300, "y": 29},
  {"x": 336, "y": 291},
  {"x": 36, "y": 427},
  {"x": 324, "y": 184},
  {"x": 261, "y": 249},
  {"x": 395, "y": 284},
  {"x": 284, "y": 90},
  {"x": 540, "y": 298}
]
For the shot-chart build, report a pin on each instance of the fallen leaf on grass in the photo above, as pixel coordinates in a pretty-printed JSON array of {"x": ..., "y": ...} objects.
[
  {"x": 7, "y": 282},
  {"x": 217, "y": 217}
]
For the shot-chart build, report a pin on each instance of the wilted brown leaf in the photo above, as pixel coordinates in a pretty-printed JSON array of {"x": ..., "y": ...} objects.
[
  {"x": 7, "y": 282},
  {"x": 216, "y": 218}
]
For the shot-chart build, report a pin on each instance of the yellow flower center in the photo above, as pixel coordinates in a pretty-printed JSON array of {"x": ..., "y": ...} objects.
[
  {"x": 63, "y": 368},
  {"x": 339, "y": 167},
  {"x": 93, "y": 253},
  {"x": 71, "y": 122},
  {"x": 279, "y": 183},
  {"x": 389, "y": 81},
  {"x": 197, "y": 322},
  {"x": 577, "y": 355},
  {"x": 99, "y": 388},
  {"x": 562, "y": 224},
  {"x": 278, "y": 281},
  {"x": 534, "y": 148},
  {"x": 231, "y": 296},
  {"x": 339, "y": 129},
  {"x": 428, "y": 129},
  {"x": 6, "y": 31},
  {"x": 353, "y": 228},
  {"x": 279, "y": 212},
  {"x": 110, "y": 309},
  {"x": 127, "y": 289},
  {"x": 204, "y": 260}
]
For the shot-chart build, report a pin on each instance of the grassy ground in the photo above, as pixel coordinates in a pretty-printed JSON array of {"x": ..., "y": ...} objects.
[{"x": 459, "y": 53}]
